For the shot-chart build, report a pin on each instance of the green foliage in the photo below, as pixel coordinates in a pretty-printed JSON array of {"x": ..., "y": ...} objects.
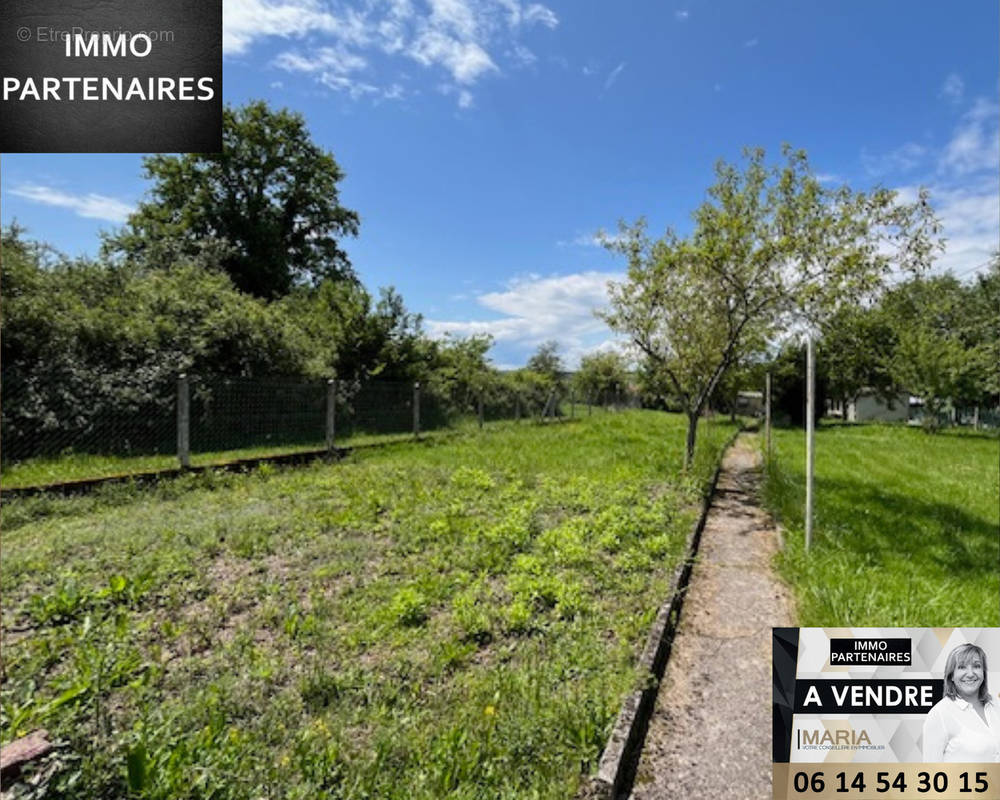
[
  {"x": 601, "y": 376},
  {"x": 376, "y": 647},
  {"x": 87, "y": 344},
  {"x": 770, "y": 244},
  {"x": 270, "y": 198},
  {"x": 855, "y": 350},
  {"x": 945, "y": 339}
]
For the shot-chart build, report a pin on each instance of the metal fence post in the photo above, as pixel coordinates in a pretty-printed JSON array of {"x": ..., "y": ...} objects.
[
  {"x": 331, "y": 416},
  {"x": 416, "y": 409},
  {"x": 183, "y": 421},
  {"x": 572, "y": 405},
  {"x": 767, "y": 415},
  {"x": 810, "y": 435},
  {"x": 480, "y": 411},
  {"x": 517, "y": 408}
]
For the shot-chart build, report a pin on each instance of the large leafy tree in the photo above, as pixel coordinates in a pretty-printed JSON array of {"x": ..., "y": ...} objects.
[
  {"x": 856, "y": 349},
  {"x": 770, "y": 246},
  {"x": 943, "y": 347},
  {"x": 271, "y": 196}
]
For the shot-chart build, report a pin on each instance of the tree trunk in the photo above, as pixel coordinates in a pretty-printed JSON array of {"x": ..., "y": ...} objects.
[{"x": 692, "y": 434}]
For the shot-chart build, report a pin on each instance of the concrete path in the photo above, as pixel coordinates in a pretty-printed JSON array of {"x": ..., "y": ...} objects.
[{"x": 710, "y": 734}]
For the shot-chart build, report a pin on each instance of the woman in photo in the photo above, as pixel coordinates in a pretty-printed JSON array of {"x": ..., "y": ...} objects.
[{"x": 964, "y": 726}]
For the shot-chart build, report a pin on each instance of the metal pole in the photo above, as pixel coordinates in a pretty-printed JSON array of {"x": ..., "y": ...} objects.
[
  {"x": 183, "y": 421},
  {"x": 331, "y": 423},
  {"x": 517, "y": 408},
  {"x": 416, "y": 409},
  {"x": 480, "y": 411},
  {"x": 572, "y": 405},
  {"x": 810, "y": 435},
  {"x": 767, "y": 415}
]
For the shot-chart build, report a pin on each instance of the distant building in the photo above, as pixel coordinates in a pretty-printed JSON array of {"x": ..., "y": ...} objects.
[
  {"x": 750, "y": 404},
  {"x": 869, "y": 407}
]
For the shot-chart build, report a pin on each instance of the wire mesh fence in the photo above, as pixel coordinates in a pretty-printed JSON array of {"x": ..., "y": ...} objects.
[
  {"x": 180, "y": 417},
  {"x": 49, "y": 416}
]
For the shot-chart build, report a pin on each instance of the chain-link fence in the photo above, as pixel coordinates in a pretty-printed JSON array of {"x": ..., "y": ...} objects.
[
  {"x": 179, "y": 416},
  {"x": 48, "y": 416}
]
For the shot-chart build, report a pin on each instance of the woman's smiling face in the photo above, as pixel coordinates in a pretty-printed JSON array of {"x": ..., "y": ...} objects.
[{"x": 968, "y": 676}]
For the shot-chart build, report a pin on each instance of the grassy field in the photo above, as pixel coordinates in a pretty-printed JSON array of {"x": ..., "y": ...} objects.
[
  {"x": 906, "y": 530},
  {"x": 83, "y": 466},
  {"x": 457, "y": 618}
]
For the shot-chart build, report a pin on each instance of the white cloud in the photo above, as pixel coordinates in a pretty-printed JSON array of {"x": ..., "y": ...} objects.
[
  {"x": 750, "y": 43},
  {"x": 975, "y": 144},
  {"x": 537, "y": 13},
  {"x": 953, "y": 88},
  {"x": 91, "y": 206},
  {"x": 589, "y": 240},
  {"x": 970, "y": 221},
  {"x": 245, "y": 21},
  {"x": 457, "y": 36},
  {"x": 965, "y": 191},
  {"x": 680, "y": 16},
  {"x": 325, "y": 58},
  {"x": 536, "y": 309},
  {"x": 465, "y": 60},
  {"x": 523, "y": 56},
  {"x": 613, "y": 76},
  {"x": 465, "y": 99},
  {"x": 903, "y": 159}
]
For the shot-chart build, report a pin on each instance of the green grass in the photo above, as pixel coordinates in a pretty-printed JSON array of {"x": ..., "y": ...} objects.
[
  {"x": 84, "y": 466},
  {"x": 458, "y": 618},
  {"x": 906, "y": 528}
]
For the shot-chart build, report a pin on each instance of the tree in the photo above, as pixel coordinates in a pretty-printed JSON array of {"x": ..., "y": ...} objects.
[
  {"x": 942, "y": 343},
  {"x": 270, "y": 197},
  {"x": 769, "y": 246},
  {"x": 357, "y": 338},
  {"x": 856, "y": 350},
  {"x": 462, "y": 373},
  {"x": 601, "y": 375},
  {"x": 546, "y": 361}
]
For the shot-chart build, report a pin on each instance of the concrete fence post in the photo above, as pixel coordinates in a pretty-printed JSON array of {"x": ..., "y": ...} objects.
[
  {"x": 416, "y": 409},
  {"x": 331, "y": 415},
  {"x": 183, "y": 421}
]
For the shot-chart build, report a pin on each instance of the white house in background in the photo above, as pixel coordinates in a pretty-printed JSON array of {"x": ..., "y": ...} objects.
[{"x": 868, "y": 407}]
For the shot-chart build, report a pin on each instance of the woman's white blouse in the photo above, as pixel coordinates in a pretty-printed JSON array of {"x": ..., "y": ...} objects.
[{"x": 953, "y": 731}]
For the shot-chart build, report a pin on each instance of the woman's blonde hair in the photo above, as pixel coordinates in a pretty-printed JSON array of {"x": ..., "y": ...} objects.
[{"x": 959, "y": 657}]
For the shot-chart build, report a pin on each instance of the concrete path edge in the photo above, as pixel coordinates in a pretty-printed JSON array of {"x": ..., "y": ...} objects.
[{"x": 620, "y": 758}]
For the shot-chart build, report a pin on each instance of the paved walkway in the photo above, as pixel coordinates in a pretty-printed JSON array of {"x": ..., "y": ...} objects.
[{"x": 710, "y": 735}]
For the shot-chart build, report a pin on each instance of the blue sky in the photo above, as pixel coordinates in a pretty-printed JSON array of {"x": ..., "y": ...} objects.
[{"x": 486, "y": 141}]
